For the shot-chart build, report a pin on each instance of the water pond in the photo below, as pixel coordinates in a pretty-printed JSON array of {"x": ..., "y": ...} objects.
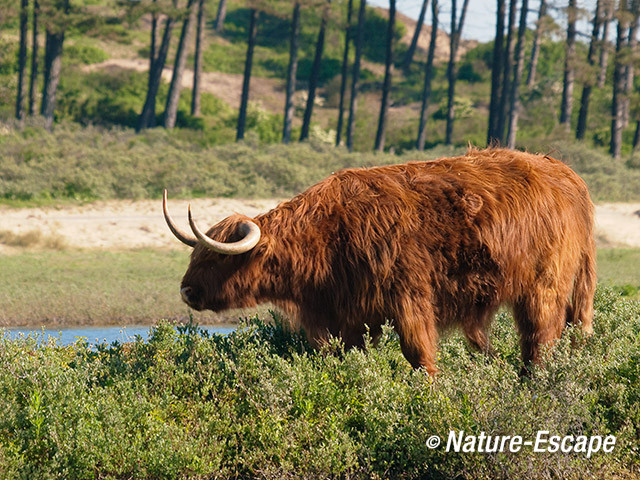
[{"x": 95, "y": 335}]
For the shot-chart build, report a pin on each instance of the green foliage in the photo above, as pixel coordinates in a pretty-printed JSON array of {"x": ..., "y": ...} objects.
[
  {"x": 471, "y": 72},
  {"x": 92, "y": 163},
  {"x": 104, "y": 98},
  {"x": 260, "y": 403},
  {"x": 375, "y": 33},
  {"x": 608, "y": 179},
  {"x": 462, "y": 108},
  {"x": 475, "y": 65},
  {"x": 84, "y": 53}
]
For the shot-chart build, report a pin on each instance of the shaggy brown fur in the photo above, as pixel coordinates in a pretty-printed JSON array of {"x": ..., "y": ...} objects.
[{"x": 424, "y": 245}]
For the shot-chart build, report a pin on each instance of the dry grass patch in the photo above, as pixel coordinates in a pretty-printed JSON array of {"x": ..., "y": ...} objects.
[{"x": 33, "y": 239}]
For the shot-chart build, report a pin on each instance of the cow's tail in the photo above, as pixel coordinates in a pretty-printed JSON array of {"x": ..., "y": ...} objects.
[{"x": 580, "y": 311}]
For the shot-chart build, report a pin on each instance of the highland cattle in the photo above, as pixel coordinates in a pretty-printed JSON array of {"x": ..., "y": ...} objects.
[{"x": 424, "y": 245}]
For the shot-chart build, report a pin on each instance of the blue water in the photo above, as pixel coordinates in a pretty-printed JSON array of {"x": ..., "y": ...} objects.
[{"x": 95, "y": 335}]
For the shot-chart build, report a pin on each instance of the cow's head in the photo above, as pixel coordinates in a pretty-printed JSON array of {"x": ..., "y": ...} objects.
[{"x": 220, "y": 269}]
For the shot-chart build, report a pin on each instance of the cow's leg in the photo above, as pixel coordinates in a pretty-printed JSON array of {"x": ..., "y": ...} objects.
[
  {"x": 353, "y": 337},
  {"x": 475, "y": 330},
  {"x": 415, "y": 324},
  {"x": 540, "y": 317}
]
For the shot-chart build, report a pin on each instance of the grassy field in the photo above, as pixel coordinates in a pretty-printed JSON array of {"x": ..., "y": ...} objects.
[
  {"x": 259, "y": 403},
  {"x": 66, "y": 287},
  {"x": 619, "y": 267}
]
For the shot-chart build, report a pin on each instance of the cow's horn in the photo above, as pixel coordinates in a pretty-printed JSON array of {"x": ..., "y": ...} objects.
[
  {"x": 250, "y": 230},
  {"x": 180, "y": 235}
]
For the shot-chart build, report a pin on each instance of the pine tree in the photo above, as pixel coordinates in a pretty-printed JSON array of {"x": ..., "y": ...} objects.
[
  {"x": 388, "y": 72},
  {"x": 514, "y": 109},
  {"x": 57, "y": 22},
  {"x": 356, "y": 75},
  {"x": 197, "y": 61},
  {"x": 292, "y": 70},
  {"x": 21, "y": 95},
  {"x": 454, "y": 42},
  {"x": 497, "y": 69},
  {"x": 343, "y": 73},
  {"x": 171, "y": 109},
  {"x": 588, "y": 82},
  {"x": 406, "y": 63},
  {"x": 428, "y": 75},
  {"x": 315, "y": 75},
  {"x": 246, "y": 81},
  {"x": 566, "y": 107}
]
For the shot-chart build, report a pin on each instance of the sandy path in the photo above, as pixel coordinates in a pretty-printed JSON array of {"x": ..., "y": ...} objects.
[
  {"x": 618, "y": 224},
  {"x": 123, "y": 224}
]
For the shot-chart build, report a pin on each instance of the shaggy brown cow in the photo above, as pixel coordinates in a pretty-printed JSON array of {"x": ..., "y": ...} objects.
[{"x": 424, "y": 245}]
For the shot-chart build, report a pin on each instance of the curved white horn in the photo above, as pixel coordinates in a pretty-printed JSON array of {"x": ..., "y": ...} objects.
[
  {"x": 180, "y": 235},
  {"x": 251, "y": 237}
]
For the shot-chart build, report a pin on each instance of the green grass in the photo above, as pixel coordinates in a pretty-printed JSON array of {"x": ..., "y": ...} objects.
[
  {"x": 64, "y": 288},
  {"x": 259, "y": 403},
  {"x": 92, "y": 287},
  {"x": 620, "y": 268}
]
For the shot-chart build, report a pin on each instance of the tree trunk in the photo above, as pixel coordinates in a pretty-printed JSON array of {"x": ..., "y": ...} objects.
[
  {"x": 52, "y": 67},
  {"x": 315, "y": 74},
  {"x": 566, "y": 107},
  {"x": 618, "y": 83},
  {"x": 248, "y": 64},
  {"x": 222, "y": 13},
  {"x": 416, "y": 35},
  {"x": 171, "y": 109},
  {"x": 153, "y": 54},
  {"x": 21, "y": 112},
  {"x": 506, "y": 73},
  {"x": 386, "y": 85},
  {"x": 291, "y": 73},
  {"x": 454, "y": 41},
  {"x": 33, "y": 80},
  {"x": 154, "y": 38},
  {"x": 147, "y": 117},
  {"x": 535, "y": 49},
  {"x": 514, "y": 110},
  {"x": 636, "y": 137},
  {"x": 604, "y": 43},
  {"x": 343, "y": 73},
  {"x": 428, "y": 75},
  {"x": 632, "y": 45},
  {"x": 351, "y": 124},
  {"x": 197, "y": 63},
  {"x": 497, "y": 69},
  {"x": 591, "y": 60}
]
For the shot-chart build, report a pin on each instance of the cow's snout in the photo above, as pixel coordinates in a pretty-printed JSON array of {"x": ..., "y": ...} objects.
[
  {"x": 192, "y": 296},
  {"x": 184, "y": 293}
]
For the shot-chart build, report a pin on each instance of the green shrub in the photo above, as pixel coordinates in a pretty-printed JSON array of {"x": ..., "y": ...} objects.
[
  {"x": 84, "y": 53},
  {"x": 92, "y": 163},
  {"x": 260, "y": 403},
  {"x": 471, "y": 72},
  {"x": 95, "y": 163}
]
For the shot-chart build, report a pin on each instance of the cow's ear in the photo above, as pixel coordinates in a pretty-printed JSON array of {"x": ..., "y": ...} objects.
[{"x": 472, "y": 204}]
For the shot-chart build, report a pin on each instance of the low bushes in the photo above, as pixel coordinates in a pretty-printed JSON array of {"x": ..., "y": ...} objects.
[
  {"x": 261, "y": 403},
  {"x": 95, "y": 163}
]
